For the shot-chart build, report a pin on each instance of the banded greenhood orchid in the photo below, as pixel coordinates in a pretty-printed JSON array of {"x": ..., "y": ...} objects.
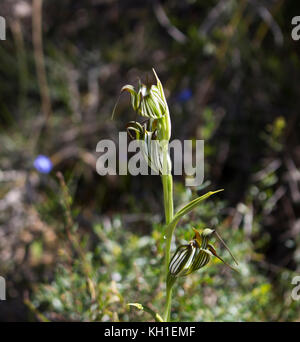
[{"x": 154, "y": 133}]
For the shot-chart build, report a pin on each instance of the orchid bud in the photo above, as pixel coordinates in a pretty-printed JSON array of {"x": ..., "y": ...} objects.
[{"x": 151, "y": 147}]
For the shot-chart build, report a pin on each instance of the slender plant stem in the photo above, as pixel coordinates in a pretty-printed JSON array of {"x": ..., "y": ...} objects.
[
  {"x": 167, "y": 181},
  {"x": 167, "y": 312}
]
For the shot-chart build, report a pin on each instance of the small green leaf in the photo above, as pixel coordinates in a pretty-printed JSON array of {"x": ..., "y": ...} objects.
[
  {"x": 137, "y": 305},
  {"x": 155, "y": 315}
]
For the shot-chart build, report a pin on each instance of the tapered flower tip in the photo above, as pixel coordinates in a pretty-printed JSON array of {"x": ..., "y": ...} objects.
[
  {"x": 208, "y": 232},
  {"x": 155, "y": 74},
  {"x": 159, "y": 85}
]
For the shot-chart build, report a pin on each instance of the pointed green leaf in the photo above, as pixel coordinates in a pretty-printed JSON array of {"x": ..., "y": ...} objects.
[{"x": 193, "y": 204}]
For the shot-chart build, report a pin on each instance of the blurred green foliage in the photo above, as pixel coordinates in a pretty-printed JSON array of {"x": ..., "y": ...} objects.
[{"x": 127, "y": 267}]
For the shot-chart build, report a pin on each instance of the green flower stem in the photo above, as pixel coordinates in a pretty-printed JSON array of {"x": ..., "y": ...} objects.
[
  {"x": 169, "y": 234},
  {"x": 167, "y": 313},
  {"x": 167, "y": 181}
]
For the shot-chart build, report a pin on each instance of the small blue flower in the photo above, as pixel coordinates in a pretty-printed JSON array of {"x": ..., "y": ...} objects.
[
  {"x": 43, "y": 164},
  {"x": 184, "y": 95}
]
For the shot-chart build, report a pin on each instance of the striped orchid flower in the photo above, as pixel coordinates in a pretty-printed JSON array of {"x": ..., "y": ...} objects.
[{"x": 195, "y": 255}]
